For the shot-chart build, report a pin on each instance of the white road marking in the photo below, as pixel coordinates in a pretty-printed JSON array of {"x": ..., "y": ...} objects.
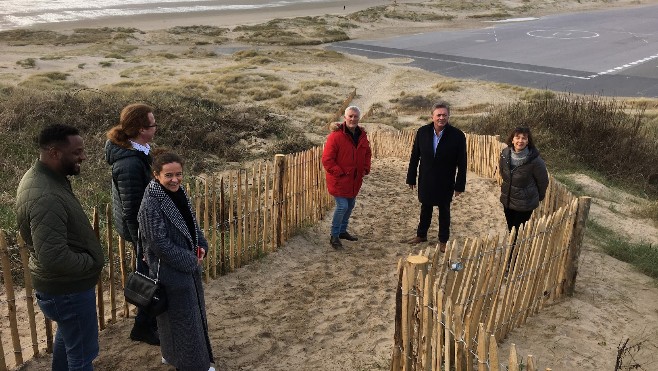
[
  {"x": 551, "y": 34},
  {"x": 469, "y": 63},
  {"x": 627, "y": 65}
]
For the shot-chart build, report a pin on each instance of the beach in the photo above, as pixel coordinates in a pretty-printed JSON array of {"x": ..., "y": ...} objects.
[
  {"x": 152, "y": 16},
  {"x": 306, "y": 306}
]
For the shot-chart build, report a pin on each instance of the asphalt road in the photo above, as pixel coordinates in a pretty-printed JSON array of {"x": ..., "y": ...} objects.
[{"x": 609, "y": 52}]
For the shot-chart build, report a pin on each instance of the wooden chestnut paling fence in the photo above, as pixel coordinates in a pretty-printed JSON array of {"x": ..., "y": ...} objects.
[
  {"x": 247, "y": 213},
  {"x": 451, "y": 308},
  {"x": 244, "y": 214}
]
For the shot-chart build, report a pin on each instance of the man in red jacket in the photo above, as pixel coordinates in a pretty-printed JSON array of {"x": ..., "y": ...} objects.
[{"x": 346, "y": 160}]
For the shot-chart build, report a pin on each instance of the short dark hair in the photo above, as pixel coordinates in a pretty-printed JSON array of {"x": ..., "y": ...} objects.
[
  {"x": 521, "y": 130},
  {"x": 440, "y": 104},
  {"x": 163, "y": 158},
  {"x": 56, "y": 134}
]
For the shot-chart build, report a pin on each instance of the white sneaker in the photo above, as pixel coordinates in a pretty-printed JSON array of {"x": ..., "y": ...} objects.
[
  {"x": 211, "y": 368},
  {"x": 164, "y": 361}
]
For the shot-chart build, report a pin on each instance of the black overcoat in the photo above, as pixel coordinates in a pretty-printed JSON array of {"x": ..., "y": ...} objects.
[{"x": 440, "y": 175}]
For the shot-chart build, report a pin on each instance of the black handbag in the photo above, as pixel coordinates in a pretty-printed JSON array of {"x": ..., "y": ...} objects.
[{"x": 146, "y": 293}]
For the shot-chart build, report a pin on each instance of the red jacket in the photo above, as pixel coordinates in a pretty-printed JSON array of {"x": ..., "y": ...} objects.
[{"x": 346, "y": 163}]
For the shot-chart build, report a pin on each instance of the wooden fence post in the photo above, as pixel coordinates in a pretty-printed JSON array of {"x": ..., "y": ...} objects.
[
  {"x": 279, "y": 172},
  {"x": 122, "y": 266},
  {"x": 576, "y": 243},
  {"x": 110, "y": 258},
  {"x": 29, "y": 297},
  {"x": 493, "y": 353},
  {"x": 206, "y": 228},
  {"x": 11, "y": 300},
  {"x": 99, "y": 287},
  {"x": 3, "y": 363},
  {"x": 397, "y": 335},
  {"x": 214, "y": 227},
  {"x": 414, "y": 273}
]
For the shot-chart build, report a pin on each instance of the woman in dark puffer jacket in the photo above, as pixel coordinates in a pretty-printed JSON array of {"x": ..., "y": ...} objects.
[
  {"x": 525, "y": 178},
  {"x": 127, "y": 150}
]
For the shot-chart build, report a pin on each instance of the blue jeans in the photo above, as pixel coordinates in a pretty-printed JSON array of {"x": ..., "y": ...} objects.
[
  {"x": 76, "y": 339},
  {"x": 344, "y": 207}
]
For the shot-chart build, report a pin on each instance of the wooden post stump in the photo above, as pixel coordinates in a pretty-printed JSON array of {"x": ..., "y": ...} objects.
[{"x": 576, "y": 243}]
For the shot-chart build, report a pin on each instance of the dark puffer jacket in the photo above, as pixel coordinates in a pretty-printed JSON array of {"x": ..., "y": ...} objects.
[
  {"x": 65, "y": 255},
  {"x": 525, "y": 186},
  {"x": 131, "y": 173}
]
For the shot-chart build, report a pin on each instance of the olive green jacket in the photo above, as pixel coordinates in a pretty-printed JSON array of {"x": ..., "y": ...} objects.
[{"x": 65, "y": 255}]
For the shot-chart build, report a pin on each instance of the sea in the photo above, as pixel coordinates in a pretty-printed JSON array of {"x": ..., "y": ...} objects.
[{"x": 26, "y": 13}]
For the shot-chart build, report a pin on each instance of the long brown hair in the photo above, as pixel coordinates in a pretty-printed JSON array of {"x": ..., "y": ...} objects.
[{"x": 133, "y": 118}]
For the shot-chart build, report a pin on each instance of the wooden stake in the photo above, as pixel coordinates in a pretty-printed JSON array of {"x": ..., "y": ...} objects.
[
  {"x": 513, "y": 359},
  {"x": 279, "y": 174},
  {"x": 576, "y": 244},
  {"x": 110, "y": 258},
  {"x": 99, "y": 287},
  {"x": 206, "y": 228},
  {"x": 29, "y": 297},
  {"x": 122, "y": 266},
  {"x": 11, "y": 300},
  {"x": 213, "y": 249}
]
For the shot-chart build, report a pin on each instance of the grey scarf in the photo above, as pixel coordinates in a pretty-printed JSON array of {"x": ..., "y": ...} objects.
[{"x": 519, "y": 158}]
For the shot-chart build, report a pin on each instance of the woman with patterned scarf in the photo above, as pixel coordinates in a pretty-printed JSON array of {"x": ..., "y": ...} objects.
[{"x": 175, "y": 248}]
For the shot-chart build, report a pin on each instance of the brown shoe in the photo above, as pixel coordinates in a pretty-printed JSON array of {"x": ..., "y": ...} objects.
[
  {"x": 442, "y": 247},
  {"x": 416, "y": 240}
]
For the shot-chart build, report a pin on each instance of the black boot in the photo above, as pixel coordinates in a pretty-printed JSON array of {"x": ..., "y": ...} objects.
[
  {"x": 335, "y": 243},
  {"x": 347, "y": 236},
  {"x": 145, "y": 334}
]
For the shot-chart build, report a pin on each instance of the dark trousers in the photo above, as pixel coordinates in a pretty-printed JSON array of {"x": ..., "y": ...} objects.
[
  {"x": 514, "y": 220},
  {"x": 426, "y": 219},
  {"x": 142, "y": 319}
]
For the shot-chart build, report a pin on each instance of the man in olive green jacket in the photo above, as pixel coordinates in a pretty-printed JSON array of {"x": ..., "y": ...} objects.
[{"x": 66, "y": 258}]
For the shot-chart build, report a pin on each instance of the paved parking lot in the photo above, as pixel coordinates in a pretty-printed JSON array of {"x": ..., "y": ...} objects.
[{"x": 611, "y": 52}]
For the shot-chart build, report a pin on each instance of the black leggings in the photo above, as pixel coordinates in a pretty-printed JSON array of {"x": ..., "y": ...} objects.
[{"x": 515, "y": 219}]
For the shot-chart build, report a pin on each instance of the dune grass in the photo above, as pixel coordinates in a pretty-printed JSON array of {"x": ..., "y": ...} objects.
[
  {"x": 203, "y": 131},
  {"x": 292, "y": 32},
  {"x": 591, "y": 133},
  {"x": 23, "y": 37},
  {"x": 643, "y": 256}
]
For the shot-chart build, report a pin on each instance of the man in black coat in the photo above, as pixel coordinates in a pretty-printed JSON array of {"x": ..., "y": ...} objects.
[{"x": 441, "y": 150}]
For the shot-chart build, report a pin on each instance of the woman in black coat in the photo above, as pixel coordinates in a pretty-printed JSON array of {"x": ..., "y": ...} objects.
[
  {"x": 175, "y": 248},
  {"x": 525, "y": 178},
  {"x": 127, "y": 150}
]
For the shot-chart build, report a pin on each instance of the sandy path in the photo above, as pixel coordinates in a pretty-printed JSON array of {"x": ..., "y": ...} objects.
[{"x": 308, "y": 307}]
